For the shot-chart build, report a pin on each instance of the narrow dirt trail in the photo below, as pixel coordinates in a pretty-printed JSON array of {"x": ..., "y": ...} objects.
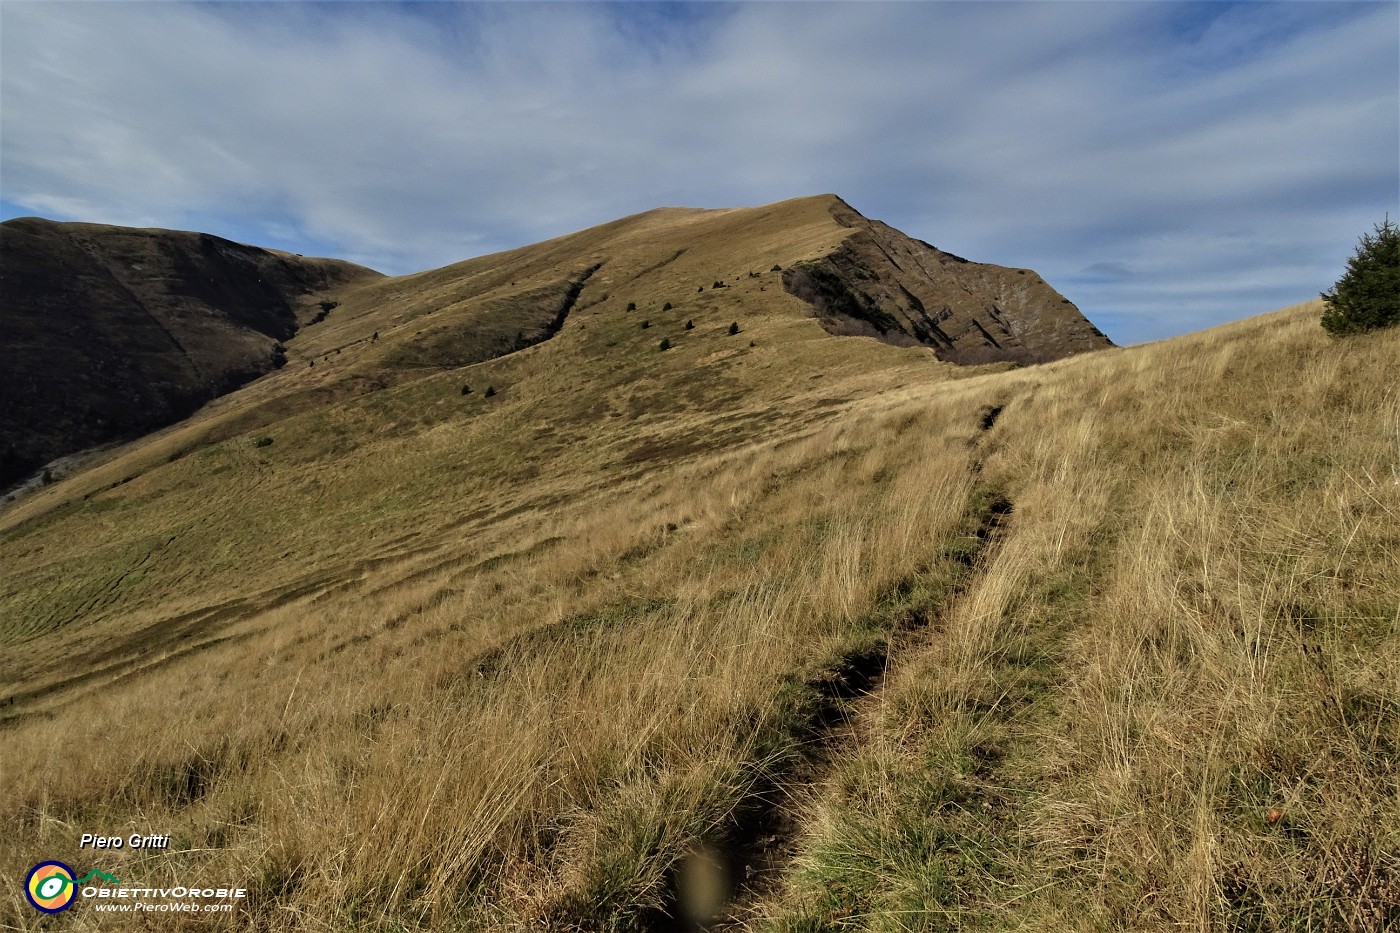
[{"x": 851, "y": 697}]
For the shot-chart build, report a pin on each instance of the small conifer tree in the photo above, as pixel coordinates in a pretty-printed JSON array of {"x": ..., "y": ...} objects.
[
  {"x": 666, "y": 306},
  {"x": 466, "y": 390},
  {"x": 631, "y": 306},
  {"x": 665, "y": 344},
  {"x": 733, "y": 328},
  {"x": 490, "y": 391},
  {"x": 1367, "y": 296},
  {"x": 646, "y": 324},
  {"x": 689, "y": 325}
]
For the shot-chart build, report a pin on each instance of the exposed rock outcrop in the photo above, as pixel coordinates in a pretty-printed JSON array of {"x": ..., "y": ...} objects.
[{"x": 881, "y": 283}]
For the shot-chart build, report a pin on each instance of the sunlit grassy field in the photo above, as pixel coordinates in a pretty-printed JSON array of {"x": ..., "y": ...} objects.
[{"x": 1110, "y": 643}]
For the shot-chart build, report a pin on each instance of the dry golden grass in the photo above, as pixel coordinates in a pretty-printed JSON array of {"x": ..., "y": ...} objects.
[
  {"x": 586, "y": 642},
  {"x": 1192, "y": 622},
  {"x": 523, "y": 730}
]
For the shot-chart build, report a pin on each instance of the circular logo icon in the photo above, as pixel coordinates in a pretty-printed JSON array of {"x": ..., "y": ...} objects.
[{"x": 50, "y": 887}]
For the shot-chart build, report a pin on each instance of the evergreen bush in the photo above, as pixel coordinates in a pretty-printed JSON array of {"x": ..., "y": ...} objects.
[{"x": 1367, "y": 296}]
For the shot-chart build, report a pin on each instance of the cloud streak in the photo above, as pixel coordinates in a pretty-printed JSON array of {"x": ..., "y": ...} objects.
[{"x": 1166, "y": 166}]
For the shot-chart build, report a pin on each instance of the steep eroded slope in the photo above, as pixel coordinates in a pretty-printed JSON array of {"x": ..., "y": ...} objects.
[
  {"x": 881, "y": 283},
  {"x": 111, "y": 332}
]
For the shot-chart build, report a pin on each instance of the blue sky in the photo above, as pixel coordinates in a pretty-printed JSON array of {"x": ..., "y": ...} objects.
[{"x": 1166, "y": 166}]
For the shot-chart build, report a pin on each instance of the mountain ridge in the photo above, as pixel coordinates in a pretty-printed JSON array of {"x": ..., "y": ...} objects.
[{"x": 175, "y": 319}]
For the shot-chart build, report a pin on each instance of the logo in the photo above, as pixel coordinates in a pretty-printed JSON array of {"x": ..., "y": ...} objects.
[{"x": 50, "y": 887}]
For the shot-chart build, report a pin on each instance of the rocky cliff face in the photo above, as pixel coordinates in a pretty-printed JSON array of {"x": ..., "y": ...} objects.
[
  {"x": 883, "y": 284},
  {"x": 110, "y": 332}
]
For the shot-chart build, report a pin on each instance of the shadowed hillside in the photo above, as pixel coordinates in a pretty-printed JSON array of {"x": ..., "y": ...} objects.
[
  {"x": 488, "y": 612},
  {"x": 112, "y": 331}
]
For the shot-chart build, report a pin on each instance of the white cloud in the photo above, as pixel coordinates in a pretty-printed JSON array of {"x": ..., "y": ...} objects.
[{"x": 1227, "y": 156}]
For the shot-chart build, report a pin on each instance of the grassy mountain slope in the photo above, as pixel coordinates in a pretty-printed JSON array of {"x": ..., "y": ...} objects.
[
  {"x": 111, "y": 331},
  {"x": 171, "y": 320},
  {"x": 383, "y": 374},
  {"x": 865, "y": 639}
]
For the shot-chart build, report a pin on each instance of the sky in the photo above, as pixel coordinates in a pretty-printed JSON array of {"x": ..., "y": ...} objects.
[{"x": 1166, "y": 166}]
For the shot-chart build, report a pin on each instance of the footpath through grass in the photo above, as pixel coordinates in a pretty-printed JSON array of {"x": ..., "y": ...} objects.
[{"x": 1112, "y": 643}]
